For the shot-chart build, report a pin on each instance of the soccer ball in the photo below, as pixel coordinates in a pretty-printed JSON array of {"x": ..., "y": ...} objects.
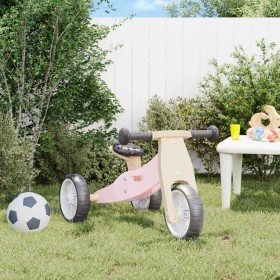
[{"x": 28, "y": 212}]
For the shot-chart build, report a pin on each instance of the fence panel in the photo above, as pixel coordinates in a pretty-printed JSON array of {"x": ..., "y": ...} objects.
[{"x": 170, "y": 56}]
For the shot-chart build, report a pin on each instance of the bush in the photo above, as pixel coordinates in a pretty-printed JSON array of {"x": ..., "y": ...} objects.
[
  {"x": 104, "y": 167},
  {"x": 15, "y": 173},
  {"x": 232, "y": 94},
  {"x": 63, "y": 151},
  {"x": 176, "y": 114},
  {"x": 160, "y": 115}
]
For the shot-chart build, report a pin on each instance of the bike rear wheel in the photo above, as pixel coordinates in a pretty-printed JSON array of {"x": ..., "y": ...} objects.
[{"x": 149, "y": 203}]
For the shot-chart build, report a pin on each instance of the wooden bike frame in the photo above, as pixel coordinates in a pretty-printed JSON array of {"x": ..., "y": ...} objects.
[{"x": 170, "y": 167}]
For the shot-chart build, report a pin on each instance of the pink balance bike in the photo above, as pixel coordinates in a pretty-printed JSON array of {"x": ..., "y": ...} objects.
[{"x": 169, "y": 177}]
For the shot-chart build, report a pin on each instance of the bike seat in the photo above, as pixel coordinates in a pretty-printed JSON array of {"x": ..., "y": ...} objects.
[{"x": 128, "y": 150}]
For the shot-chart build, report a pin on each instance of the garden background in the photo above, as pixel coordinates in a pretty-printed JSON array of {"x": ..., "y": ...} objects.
[
  {"x": 170, "y": 56},
  {"x": 51, "y": 66}
]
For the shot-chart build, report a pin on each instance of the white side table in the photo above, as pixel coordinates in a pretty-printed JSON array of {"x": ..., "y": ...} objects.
[{"x": 231, "y": 153}]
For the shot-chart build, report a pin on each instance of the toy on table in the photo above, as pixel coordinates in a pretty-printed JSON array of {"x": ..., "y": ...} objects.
[
  {"x": 170, "y": 171},
  {"x": 260, "y": 132}
]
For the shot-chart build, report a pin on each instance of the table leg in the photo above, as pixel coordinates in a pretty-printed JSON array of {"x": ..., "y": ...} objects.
[
  {"x": 226, "y": 173},
  {"x": 236, "y": 173}
]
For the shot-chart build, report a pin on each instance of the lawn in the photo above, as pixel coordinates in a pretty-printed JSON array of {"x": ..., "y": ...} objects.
[{"x": 119, "y": 242}]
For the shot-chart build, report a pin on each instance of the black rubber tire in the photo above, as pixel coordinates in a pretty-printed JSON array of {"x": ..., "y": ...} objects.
[
  {"x": 81, "y": 196},
  {"x": 155, "y": 201},
  {"x": 194, "y": 211}
]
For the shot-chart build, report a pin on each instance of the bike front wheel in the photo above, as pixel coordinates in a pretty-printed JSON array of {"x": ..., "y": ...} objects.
[
  {"x": 190, "y": 210},
  {"x": 74, "y": 198}
]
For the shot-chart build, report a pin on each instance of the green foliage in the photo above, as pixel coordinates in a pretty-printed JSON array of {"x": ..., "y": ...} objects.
[
  {"x": 223, "y": 8},
  {"x": 51, "y": 65},
  {"x": 15, "y": 173},
  {"x": 233, "y": 92},
  {"x": 203, "y": 8},
  {"x": 63, "y": 151},
  {"x": 5, "y": 5},
  {"x": 160, "y": 115},
  {"x": 177, "y": 114},
  {"x": 192, "y": 112},
  {"x": 185, "y": 8},
  {"x": 104, "y": 167},
  {"x": 89, "y": 100},
  {"x": 260, "y": 8}
]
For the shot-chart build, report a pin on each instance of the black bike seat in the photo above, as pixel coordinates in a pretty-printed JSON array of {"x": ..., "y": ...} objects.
[{"x": 128, "y": 150}]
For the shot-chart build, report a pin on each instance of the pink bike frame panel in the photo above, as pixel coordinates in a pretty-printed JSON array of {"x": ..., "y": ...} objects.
[{"x": 132, "y": 185}]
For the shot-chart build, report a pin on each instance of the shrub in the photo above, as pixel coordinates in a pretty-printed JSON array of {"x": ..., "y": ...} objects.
[
  {"x": 160, "y": 115},
  {"x": 104, "y": 167},
  {"x": 233, "y": 93},
  {"x": 176, "y": 114},
  {"x": 15, "y": 173},
  {"x": 63, "y": 151}
]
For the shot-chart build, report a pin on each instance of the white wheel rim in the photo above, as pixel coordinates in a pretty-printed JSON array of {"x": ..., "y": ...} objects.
[
  {"x": 141, "y": 203},
  {"x": 181, "y": 204},
  {"x": 68, "y": 199}
]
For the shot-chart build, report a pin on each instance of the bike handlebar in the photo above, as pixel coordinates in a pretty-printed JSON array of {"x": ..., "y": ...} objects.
[
  {"x": 212, "y": 134},
  {"x": 125, "y": 136}
]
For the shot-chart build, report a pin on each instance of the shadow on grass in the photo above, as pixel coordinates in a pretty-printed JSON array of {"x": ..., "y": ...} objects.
[
  {"x": 142, "y": 221},
  {"x": 122, "y": 212},
  {"x": 257, "y": 195}
]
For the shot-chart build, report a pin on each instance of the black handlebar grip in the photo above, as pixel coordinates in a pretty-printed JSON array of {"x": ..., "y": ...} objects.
[
  {"x": 212, "y": 133},
  {"x": 125, "y": 136}
]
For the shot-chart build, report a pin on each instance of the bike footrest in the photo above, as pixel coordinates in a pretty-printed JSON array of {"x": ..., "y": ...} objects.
[{"x": 128, "y": 150}]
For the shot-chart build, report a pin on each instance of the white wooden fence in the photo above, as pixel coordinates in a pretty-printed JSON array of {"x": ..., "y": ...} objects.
[{"x": 169, "y": 57}]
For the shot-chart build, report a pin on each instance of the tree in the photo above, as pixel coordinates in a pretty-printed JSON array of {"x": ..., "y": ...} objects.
[
  {"x": 6, "y": 5},
  {"x": 223, "y": 8},
  {"x": 203, "y": 8},
  {"x": 50, "y": 66},
  {"x": 260, "y": 8}
]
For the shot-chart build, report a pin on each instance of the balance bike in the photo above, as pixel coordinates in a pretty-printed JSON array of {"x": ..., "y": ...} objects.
[{"x": 169, "y": 174}]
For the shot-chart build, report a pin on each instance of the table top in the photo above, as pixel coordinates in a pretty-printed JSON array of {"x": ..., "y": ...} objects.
[{"x": 248, "y": 146}]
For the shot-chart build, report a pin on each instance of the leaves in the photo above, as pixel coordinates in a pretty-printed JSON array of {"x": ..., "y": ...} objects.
[
  {"x": 230, "y": 93},
  {"x": 203, "y": 8},
  {"x": 234, "y": 92},
  {"x": 223, "y": 8},
  {"x": 15, "y": 173},
  {"x": 51, "y": 65}
]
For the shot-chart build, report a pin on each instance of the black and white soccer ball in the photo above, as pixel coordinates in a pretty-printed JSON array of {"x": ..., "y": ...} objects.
[{"x": 28, "y": 212}]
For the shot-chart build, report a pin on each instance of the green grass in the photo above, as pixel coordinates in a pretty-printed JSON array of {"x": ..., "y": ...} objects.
[{"x": 118, "y": 242}]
